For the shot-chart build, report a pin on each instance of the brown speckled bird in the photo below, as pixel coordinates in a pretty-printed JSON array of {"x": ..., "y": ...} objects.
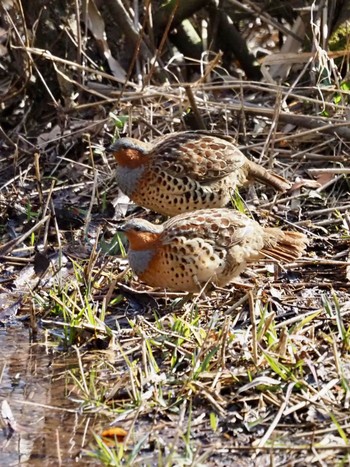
[
  {"x": 209, "y": 245},
  {"x": 186, "y": 171}
]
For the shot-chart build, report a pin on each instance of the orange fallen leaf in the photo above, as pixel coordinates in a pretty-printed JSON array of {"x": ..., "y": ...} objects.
[{"x": 115, "y": 433}]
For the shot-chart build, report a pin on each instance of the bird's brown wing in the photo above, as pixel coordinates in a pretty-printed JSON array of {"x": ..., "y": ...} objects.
[
  {"x": 199, "y": 155},
  {"x": 222, "y": 227}
]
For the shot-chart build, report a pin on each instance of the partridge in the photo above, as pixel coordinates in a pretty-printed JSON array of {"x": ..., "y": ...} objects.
[
  {"x": 186, "y": 171},
  {"x": 209, "y": 245}
]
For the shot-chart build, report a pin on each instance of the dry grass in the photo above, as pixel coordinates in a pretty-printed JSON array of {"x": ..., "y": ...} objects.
[{"x": 257, "y": 376}]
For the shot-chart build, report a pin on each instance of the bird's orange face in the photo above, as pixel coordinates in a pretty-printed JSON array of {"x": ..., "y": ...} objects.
[
  {"x": 130, "y": 157},
  {"x": 142, "y": 240}
]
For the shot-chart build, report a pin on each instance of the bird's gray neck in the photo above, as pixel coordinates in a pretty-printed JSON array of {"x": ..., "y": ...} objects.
[
  {"x": 139, "y": 259},
  {"x": 128, "y": 179}
]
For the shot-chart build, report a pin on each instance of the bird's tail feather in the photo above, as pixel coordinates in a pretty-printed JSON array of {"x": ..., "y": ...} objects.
[
  {"x": 258, "y": 172},
  {"x": 283, "y": 245}
]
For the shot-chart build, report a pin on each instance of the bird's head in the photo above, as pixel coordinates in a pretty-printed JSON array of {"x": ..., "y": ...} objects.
[
  {"x": 141, "y": 234},
  {"x": 129, "y": 152}
]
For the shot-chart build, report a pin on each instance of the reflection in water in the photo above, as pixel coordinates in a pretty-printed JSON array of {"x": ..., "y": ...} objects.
[{"x": 49, "y": 431}]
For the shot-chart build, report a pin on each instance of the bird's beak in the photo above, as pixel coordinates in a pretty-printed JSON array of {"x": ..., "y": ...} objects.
[
  {"x": 110, "y": 148},
  {"x": 119, "y": 226}
]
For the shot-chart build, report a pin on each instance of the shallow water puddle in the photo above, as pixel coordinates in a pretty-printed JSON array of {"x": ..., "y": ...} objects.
[{"x": 40, "y": 425}]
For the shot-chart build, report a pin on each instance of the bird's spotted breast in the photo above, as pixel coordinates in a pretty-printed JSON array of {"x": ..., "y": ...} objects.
[
  {"x": 173, "y": 195},
  {"x": 183, "y": 265}
]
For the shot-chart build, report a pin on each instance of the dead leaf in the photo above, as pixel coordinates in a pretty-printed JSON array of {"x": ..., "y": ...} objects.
[
  {"x": 324, "y": 178},
  {"x": 305, "y": 183},
  {"x": 41, "y": 263},
  {"x": 114, "y": 434},
  {"x": 97, "y": 27}
]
